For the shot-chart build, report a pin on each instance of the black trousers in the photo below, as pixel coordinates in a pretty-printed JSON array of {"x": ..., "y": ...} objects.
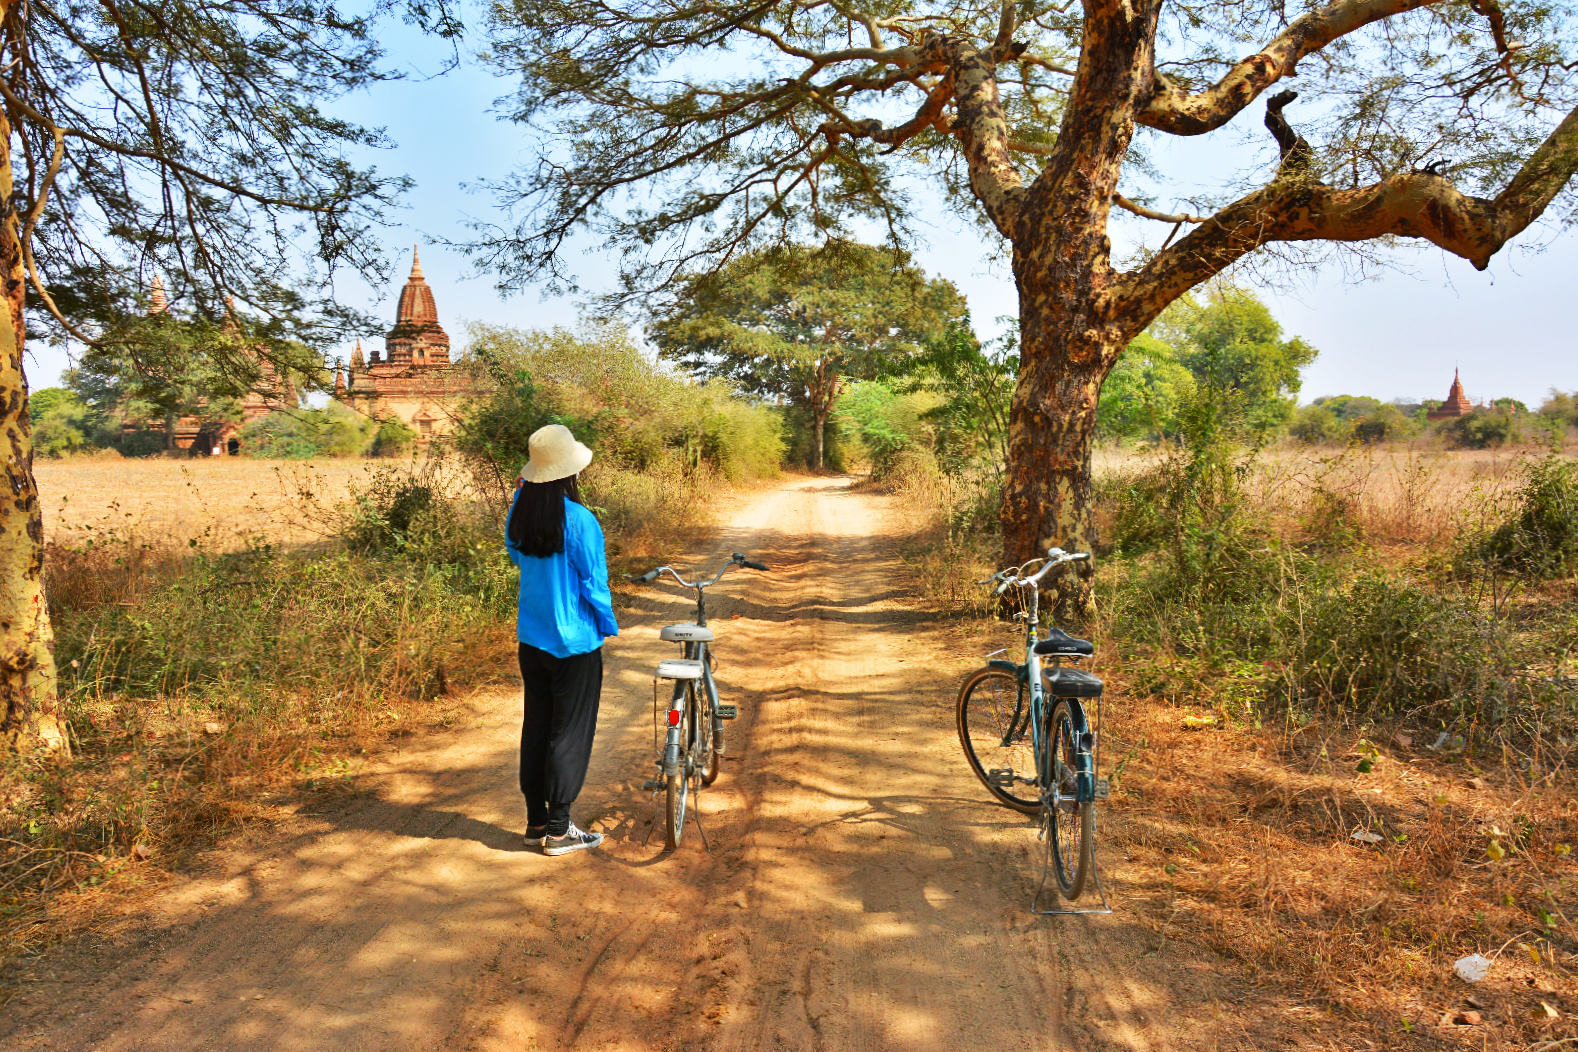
[{"x": 556, "y": 735}]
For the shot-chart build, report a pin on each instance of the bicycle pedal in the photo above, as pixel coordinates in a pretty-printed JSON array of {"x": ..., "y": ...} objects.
[
  {"x": 728, "y": 712},
  {"x": 653, "y": 786},
  {"x": 1103, "y": 788},
  {"x": 1001, "y": 777}
]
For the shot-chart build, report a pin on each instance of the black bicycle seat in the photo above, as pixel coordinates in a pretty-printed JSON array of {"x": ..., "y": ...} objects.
[{"x": 1059, "y": 643}]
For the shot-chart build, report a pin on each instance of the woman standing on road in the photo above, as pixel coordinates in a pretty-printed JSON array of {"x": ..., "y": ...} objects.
[{"x": 565, "y": 612}]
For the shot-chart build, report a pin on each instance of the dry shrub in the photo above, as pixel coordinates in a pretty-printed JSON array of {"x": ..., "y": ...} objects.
[{"x": 955, "y": 538}]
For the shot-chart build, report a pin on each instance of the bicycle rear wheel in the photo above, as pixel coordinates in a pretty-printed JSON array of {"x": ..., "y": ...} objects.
[
  {"x": 1069, "y": 826},
  {"x": 994, "y": 729},
  {"x": 678, "y": 784}
]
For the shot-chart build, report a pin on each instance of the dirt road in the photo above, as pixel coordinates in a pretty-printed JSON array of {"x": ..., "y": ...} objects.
[{"x": 860, "y": 893}]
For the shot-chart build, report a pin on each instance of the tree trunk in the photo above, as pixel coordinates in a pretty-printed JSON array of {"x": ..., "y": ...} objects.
[
  {"x": 820, "y": 418},
  {"x": 32, "y": 716},
  {"x": 1069, "y": 339}
]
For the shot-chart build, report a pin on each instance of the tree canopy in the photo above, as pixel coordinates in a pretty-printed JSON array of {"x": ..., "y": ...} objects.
[
  {"x": 797, "y": 324},
  {"x": 688, "y": 135}
]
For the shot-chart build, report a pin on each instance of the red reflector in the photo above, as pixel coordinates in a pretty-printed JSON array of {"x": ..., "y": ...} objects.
[{"x": 673, "y": 717}]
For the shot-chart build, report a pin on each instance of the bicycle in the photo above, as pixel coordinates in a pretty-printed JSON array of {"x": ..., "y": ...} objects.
[
  {"x": 694, "y": 740},
  {"x": 1048, "y": 759}
]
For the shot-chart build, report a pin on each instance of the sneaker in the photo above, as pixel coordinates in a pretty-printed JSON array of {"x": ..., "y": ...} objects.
[
  {"x": 573, "y": 840},
  {"x": 535, "y": 835}
]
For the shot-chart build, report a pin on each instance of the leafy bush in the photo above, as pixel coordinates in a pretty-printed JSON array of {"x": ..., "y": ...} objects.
[
  {"x": 881, "y": 420},
  {"x": 637, "y": 416},
  {"x": 62, "y": 423},
  {"x": 1540, "y": 539},
  {"x": 300, "y": 434},
  {"x": 1483, "y": 429},
  {"x": 1317, "y": 425}
]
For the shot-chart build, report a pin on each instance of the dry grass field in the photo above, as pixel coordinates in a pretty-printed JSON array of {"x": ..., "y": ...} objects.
[{"x": 223, "y": 501}]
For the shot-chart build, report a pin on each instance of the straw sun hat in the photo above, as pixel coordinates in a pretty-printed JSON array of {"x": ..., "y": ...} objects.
[{"x": 555, "y": 454}]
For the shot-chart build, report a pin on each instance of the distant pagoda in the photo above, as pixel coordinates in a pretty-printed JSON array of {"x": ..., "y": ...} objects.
[
  {"x": 414, "y": 381},
  {"x": 1456, "y": 404}
]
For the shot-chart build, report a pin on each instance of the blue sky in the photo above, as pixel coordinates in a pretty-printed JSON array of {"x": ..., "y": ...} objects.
[{"x": 1508, "y": 329}]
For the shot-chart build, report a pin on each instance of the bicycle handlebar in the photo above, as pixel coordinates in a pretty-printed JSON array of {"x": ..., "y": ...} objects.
[
  {"x": 1015, "y": 575},
  {"x": 737, "y": 559}
]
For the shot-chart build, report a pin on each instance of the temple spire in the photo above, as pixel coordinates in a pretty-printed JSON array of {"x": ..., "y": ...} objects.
[
  {"x": 158, "y": 306},
  {"x": 416, "y": 262},
  {"x": 357, "y": 361}
]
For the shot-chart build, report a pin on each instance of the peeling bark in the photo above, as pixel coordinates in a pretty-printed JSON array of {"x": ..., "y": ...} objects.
[{"x": 32, "y": 717}]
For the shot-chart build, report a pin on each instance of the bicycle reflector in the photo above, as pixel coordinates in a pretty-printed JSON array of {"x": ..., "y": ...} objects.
[{"x": 673, "y": 717}]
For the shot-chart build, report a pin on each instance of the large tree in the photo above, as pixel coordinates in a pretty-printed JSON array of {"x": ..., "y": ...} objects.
[
  {"x": 681, "y": 130},
  {"x": 141, "y": 138},
  {"x": 799, "y": 324}
]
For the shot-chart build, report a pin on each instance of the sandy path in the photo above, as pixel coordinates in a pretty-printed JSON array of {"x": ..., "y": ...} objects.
[{"x": 859, "y": 894}]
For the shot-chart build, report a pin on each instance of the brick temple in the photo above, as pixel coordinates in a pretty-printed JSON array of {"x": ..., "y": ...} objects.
[
  {"x": 415, "y": 381},
  {"x": 199, "y": 433},
  {"x": 1456, "y": 404}
]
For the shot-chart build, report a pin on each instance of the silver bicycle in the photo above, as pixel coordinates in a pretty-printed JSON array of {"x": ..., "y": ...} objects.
[{"x": 694, "y": 740}]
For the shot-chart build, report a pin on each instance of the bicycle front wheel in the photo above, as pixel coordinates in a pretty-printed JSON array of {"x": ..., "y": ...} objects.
[
  {"x": 994, "y": 728},
  {"x": 1069, "y": 826}
]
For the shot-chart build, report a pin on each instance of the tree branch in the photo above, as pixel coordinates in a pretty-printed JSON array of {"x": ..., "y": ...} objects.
[
  {"x": 1151, "y": 213},
  {"x": 1170, "y": 110},
  {"x": 1414, "y": 204}
]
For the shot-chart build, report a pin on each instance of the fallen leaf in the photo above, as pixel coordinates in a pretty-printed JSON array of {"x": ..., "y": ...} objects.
[
  {"x": 1495, "y": 852},
  {"x": 1473, "y": 1002},
  {"x": 140, "y": 851},
  {"x": 1467, "y": 1018},
  {"x": 211, "y": 727},
  {"x": 1550, "y": 1010},
  {"x": 1405, "y": 741},
  {"x": 1366, "y": 836},
  {"x": 1195, "y": 722}
]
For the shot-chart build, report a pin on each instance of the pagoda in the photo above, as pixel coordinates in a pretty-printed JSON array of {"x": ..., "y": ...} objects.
[
  {"x": 413, "y": 381},
  {"x": 1456, "y": 404}
]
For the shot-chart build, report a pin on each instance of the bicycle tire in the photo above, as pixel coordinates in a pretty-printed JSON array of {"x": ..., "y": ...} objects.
[
  {"x": 988, "y": 700},
  {"x": 1070, "y": 826},
  {"x": 678, "y": 798},
  {"x": 706, "y": 747}
]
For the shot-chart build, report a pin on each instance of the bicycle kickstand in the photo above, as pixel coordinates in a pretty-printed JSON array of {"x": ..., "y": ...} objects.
[{"x": 1095, "y": 873}]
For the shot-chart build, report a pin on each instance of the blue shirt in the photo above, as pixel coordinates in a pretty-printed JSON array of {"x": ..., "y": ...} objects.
[{"x": 565, "y": 605}]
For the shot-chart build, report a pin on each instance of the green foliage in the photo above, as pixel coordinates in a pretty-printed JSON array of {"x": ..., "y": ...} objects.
[
  {"x": 300, "y": 434},
  {"x": 393, "y": 438},
  {"x": 635, "y": 414},
  {"x": 797, "y": 324},
  {"x": 63, "y": 423},
  {"x": 975, "y": 389},
  {"x": 1540, "y": 538},
  {"x": 1317, "y": 425},
  {"x": 883, "y": 420},
  {"x": 1234, "y": 348},
  {"x": 1483, "y": 429},
  {"x": 1143, "y": 393},
  {"x": 1561, "y": 409}
]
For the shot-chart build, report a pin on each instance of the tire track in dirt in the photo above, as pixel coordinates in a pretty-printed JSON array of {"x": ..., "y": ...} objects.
[{"x": 861, "y": 893}]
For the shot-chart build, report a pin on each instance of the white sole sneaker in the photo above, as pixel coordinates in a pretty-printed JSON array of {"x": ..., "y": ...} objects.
[{"x": 573, "y": 840}]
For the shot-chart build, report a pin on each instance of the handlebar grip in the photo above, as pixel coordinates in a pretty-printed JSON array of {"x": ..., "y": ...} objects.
[
  {"x": 1000, "y": 589},
  {"x": 753, "y": 565},
  {"x": 647, "y": 577}
]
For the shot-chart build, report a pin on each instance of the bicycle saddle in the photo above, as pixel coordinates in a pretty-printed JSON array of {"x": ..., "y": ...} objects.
[{"x": 1059, "y": 643}]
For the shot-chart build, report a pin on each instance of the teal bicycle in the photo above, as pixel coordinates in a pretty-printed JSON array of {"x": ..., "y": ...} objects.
[{"x": 1027, "y": 736}]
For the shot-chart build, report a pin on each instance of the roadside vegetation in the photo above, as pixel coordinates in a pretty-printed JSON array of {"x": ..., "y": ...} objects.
[
  {"x": 1346, "y": 694},
  {"x": 205, "y": 681}
]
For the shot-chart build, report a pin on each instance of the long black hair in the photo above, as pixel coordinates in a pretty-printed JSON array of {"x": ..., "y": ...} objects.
[{"x": 536, "y": 525}]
